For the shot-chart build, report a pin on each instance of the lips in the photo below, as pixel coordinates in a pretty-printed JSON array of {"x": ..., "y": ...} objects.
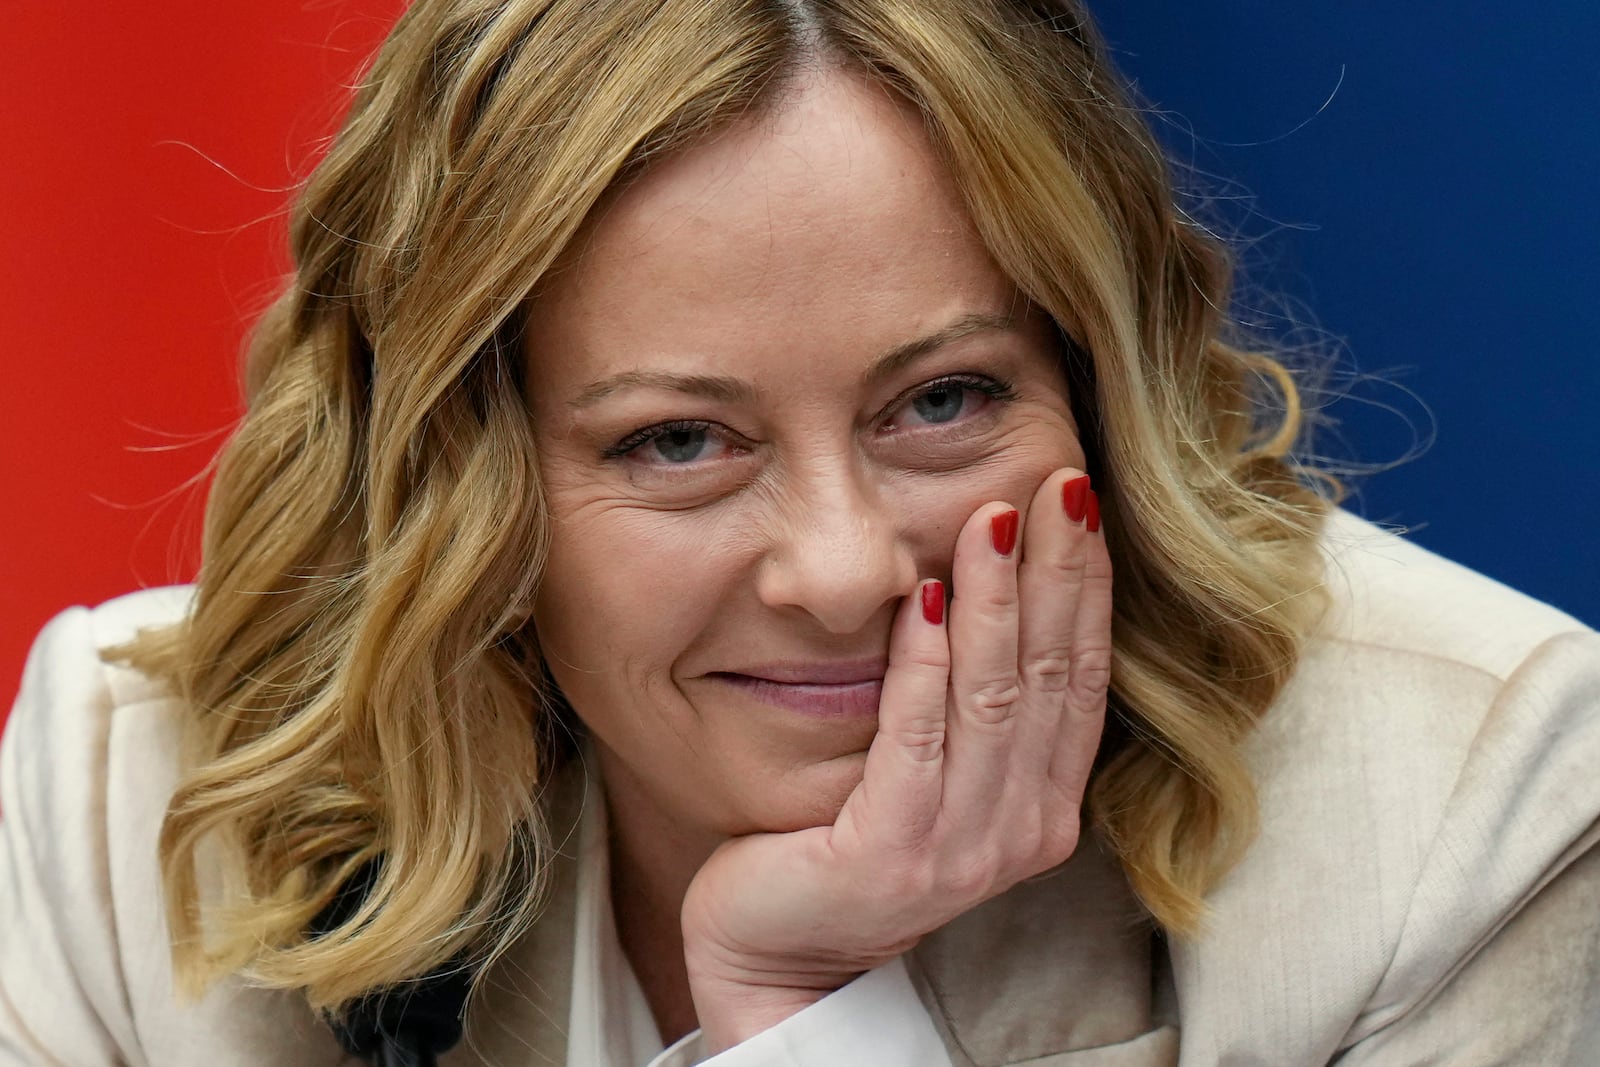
[
  {"x": 821, "y": 690},
  {"x": 842, "y": 672}
]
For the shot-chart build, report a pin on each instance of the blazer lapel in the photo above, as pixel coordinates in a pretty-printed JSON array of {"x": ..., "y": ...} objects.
[{"x": 1062, "y": 969}]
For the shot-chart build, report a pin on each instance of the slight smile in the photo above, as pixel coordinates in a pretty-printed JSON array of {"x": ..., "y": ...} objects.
[{"x": 844, "y": 691}]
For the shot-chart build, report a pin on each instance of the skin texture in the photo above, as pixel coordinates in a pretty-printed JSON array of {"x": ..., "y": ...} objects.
[{"x": 795, "y": 522}]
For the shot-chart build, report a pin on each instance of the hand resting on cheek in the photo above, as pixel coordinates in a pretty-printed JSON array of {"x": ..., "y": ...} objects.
[{"x": 989, "y": 722}]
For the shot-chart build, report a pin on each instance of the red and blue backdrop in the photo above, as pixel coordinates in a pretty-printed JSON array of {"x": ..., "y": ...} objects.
[{"x": 1422, "y": 183}]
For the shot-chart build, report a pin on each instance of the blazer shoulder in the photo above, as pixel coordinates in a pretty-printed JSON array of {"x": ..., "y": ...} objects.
[
  {"x": 1390, "y": 592},
  {"x": 1425, "y": 771},
  {"x": 63, "y": 995},
  {"x": 1522, "y": 808},
  {"x": 88, "y": 763},
  {"x": 57, "y": 738},
  {"x": 117, "y": 621}
]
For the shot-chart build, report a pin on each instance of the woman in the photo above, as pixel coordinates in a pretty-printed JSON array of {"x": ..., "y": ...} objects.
[{"x": 665, "y": 574}]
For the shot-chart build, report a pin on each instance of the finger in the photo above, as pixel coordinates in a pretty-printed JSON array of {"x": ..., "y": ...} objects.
[
  {"x": 983, "y": 662},
  {"x": 1083, "y": 716},
  {"x": 1050, "y": 584},
  {"x": 902, "y": 784}
]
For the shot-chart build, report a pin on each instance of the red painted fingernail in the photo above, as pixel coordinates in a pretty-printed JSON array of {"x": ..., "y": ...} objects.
[
  {"x": 1092, "y": 513},
  {"x": 1075, "y": 497},
  {"x": 1003, "y": 532},
  {"x": 933, "y": 601}
]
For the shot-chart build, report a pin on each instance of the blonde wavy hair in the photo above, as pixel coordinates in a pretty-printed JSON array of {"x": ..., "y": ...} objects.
[{"x": 361, "y": 672}]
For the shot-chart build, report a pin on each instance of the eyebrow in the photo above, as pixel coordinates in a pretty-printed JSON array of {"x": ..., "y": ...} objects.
[{"x": 736, "y": 390}]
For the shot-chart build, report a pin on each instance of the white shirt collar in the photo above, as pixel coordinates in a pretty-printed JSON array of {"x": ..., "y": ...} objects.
[
  {"x": 875, "y": 1020},
  {"x": 610, "y": 1024}
]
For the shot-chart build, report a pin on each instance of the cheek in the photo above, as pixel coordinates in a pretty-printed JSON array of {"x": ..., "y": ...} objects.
[
  {"x": 939, "y": 507},
  {"x": 608, "y": 634},
  {"x": 625, "y": 589}
]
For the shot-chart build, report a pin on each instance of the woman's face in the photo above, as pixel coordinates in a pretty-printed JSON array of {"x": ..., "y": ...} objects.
[{"x": 773, "y": 380}]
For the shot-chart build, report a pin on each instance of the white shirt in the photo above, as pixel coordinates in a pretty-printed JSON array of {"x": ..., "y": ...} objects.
[{"x": 875, "y": 1021}]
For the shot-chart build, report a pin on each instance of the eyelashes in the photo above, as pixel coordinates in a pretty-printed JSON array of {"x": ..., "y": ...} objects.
[
  {"x": 678, "y": 433},
  {"x": 952, "y": 385},
  {"x": 938, "y": 403}
]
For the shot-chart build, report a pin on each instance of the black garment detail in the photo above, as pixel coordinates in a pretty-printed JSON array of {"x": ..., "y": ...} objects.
[{"x": 406, "y": 1025}]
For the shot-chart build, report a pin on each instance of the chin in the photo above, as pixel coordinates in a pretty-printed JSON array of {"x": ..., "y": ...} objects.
[{"x": 812, "y": 796}]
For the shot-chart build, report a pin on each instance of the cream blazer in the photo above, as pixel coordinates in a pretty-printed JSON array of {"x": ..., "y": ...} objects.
[{"x": 1424, "y": 889}]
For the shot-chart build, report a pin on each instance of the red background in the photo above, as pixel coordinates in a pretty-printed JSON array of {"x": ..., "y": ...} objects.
[{"x": 149, "y": 148}]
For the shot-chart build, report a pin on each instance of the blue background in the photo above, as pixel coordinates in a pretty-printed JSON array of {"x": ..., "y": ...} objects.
[{"x": 1424, "y": 182}]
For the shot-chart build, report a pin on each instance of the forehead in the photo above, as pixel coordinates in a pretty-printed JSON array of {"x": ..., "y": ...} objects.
[{"x": 826, "y": 224}]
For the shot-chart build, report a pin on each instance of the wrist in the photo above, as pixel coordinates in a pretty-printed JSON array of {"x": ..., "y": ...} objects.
[
  {"x": 731, "y": 1014},
  {"x": 736, "y": 999}
]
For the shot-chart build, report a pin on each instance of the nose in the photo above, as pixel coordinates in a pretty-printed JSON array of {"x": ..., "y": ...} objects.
[{"x": 839, "y": 554}]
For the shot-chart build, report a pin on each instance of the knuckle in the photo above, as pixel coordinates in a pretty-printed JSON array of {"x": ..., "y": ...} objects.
[
  {"x": 996, "y": 599},
  {"x": 922, "y": 741},
  {"x": 1072, "y": 565},
  {"x": 1091, "y": 674},
  {"x": 1062, "y": 570},
  {"x": 1097, "y": 568},
  {"x": 920, "y": 659},
  {"x": 1049, "y": 672},
  {"x": 1059, "y": 840},
  {"x": 993, "y": 701},
  {"x": 973, "y": 879}
]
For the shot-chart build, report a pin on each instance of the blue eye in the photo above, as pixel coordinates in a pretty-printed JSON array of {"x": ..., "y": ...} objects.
[
  {"x": 679, "y": 446},
  {"x": 952, "y": 398},
  {"x": 669, "y": 444},
  {"x": 941, "y": 404}
]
